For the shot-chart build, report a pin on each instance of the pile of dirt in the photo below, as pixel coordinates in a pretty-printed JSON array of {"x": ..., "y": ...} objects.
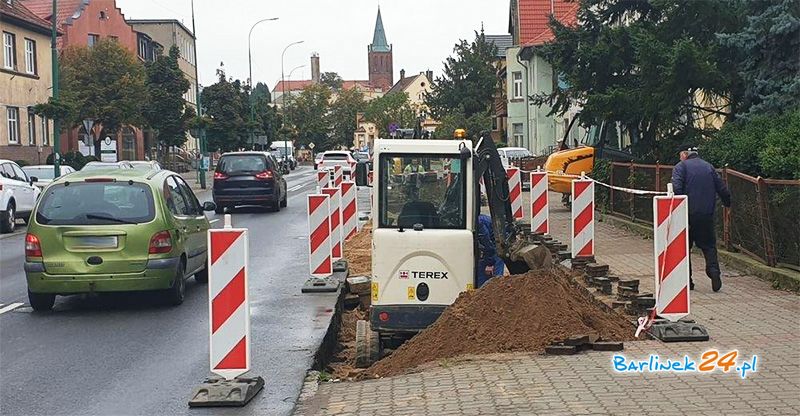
[
  {"x": 513, "y": 313},
  {"x": 343, "y": 364},
  {"x": 358, "y": 252}
]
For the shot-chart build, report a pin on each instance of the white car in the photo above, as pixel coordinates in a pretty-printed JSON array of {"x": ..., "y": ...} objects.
[
  {"x": 18, "y": 195},
  {"x": 509, "y": 154},
  {"x": 332, "y": 158},
  {"x": 44, "y": 173}
]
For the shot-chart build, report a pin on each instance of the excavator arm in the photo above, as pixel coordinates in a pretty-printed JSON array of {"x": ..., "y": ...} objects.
[{"x": 519, "y": 254}]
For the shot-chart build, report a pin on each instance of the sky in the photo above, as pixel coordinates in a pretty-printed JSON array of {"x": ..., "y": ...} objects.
[{"x": 422, "y": 32}]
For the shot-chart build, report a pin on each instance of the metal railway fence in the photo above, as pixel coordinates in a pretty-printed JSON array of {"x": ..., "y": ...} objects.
[{"x": 763, "y": 220}]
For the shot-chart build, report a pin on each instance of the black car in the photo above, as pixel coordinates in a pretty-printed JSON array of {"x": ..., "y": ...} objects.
[{"x": 249, "y": 178}]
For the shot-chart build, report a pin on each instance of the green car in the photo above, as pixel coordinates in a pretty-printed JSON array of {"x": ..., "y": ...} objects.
[{"x": 115, "y": 230}]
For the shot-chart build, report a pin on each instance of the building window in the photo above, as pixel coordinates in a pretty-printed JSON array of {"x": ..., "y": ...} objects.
[
  {"x": 30, "y": 56},
  {"x": 517, "y": 132},
  {"x": 45, "y": 131},
  {"x": 31, "y": 129},
  {"x": 93, "y": 39},
  {"x": 9, "y": 51},
  {"x": 517, "y": 81},
  {"x": 494, "y": 123},
  {"x": 12, "y": 113}
]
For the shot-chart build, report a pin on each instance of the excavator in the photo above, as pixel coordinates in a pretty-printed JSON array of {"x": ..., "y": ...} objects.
[{"x": 426, "y": 202}]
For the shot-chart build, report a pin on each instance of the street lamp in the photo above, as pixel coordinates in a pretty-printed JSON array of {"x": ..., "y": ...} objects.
[
  {"x": 250, "y": 66},
  {"x": 283, "y": 97},
  {"x": 292, "y": 71}
]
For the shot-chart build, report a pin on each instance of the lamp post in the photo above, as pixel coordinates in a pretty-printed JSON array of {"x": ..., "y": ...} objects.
[
  {"x": 203, "y": 147},
  {"x": 250, "y": 67},
  {"x": 283, "y": 97},
  {"x": 56, "y": 121}
]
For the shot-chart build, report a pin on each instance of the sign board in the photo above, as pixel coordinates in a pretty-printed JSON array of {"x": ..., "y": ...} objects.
[
  {"x": 108, "y": 150},
  {"x": 311, "y": 146}
]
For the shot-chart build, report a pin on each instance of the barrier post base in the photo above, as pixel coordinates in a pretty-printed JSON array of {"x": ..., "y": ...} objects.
[
  {"x": 340, "y": 266},
  {"x": 218, "y": 392},
  {"x": 321, "y": 285},
  {"x": 681, "y": 331}
]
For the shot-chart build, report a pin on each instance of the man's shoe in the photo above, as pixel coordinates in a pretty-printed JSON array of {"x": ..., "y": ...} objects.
[{"x": 716, "y": 283}]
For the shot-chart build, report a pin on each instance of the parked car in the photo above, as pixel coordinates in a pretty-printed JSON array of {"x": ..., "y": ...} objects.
[
  {"x": 249, "y": 178},
  {"x": 509, "y": 155},
  {"x": 17, "y": 195},
  {"x": 107, "y": 165},
  {"x": 145, "y": 165},
  {"x": 44, "y": 173},
  {"x": 115, "y": 231},
  {"x": 337, "y": 157}
]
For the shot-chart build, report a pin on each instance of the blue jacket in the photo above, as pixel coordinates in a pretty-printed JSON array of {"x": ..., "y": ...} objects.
[
  {"x": 697, "y": 178},
  {"x": 486, "y": 237}
]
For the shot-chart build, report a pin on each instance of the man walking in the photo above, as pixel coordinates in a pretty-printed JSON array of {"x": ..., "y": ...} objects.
[{"x": 697, "y": 179}]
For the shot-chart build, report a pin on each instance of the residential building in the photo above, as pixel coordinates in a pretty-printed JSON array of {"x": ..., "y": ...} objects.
[
  {"x": 365, "y": 134},
  {"x": 500, "y": 106},
  {"x": 83, "y": 24},
  {"x": 417, "y": 87},
  {"x": 25, "y": 80},
  {"x": 529, "y": 75},
  {"x": 169, "y": 33},
  {"x": 381, "y": 68}
]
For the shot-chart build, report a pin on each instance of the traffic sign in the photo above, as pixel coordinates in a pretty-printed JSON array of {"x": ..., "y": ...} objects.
[{"x": 311, "y": 146}]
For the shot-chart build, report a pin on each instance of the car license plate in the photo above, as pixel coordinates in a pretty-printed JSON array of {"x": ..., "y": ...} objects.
[{"x": 97, "y": 242}]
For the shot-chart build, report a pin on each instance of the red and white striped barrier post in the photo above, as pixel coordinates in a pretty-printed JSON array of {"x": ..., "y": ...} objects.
[
  {"x": 514, "y": 177},
  {"x": 338, "y": 175},
  {"x": 349, "y": 209},
  {"x": 319, "y": 235},
  {"x": 335, "y": 195},
  {"x": 323, "y": 179},
  {"x": 582, "y": 217},
  {"x": 540, "y": 208},
  {"x": 228, "y": 302},
  {"x": 671, "y": 244}
]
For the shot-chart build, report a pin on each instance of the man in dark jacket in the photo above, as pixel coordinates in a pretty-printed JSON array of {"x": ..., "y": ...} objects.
[
  {"x": 697, "y": 179},
  {"x": 489, "y": 264}
]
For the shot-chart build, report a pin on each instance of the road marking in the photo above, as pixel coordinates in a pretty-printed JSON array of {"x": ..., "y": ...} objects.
[
  {"x": 296, "y": 187},
  {"x": 213, "y": 221},
  {"x": 10, "y": 307}
]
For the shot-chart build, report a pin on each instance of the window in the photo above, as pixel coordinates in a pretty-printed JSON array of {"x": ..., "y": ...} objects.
[
  {"x": 93, "y": 39},
  {"x": 517, "y": 81},
  {"x": 9, "y": 51},
  {"x": 19, "y": 173},
  {"x": 12, "y": 113},
  {"x": 191, "y": 201},
  {"x": 422, "y": 189},
  {"x": 45, "y": 131},
  {"x": 175, "y": 200},
  {"x": 31, "y": 129},
  {"x": 30, "y": 56},
  {"x": 96, "y": 203},
  {"x": 517, "y": 133}
]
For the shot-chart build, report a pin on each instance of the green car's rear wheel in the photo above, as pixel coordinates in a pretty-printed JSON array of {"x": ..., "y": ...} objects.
[
  {"x": 177, "y": 292},
  {"x": 41, "y": 302}
]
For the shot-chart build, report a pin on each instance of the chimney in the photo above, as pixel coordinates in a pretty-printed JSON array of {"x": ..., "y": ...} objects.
[
  {"x": 429, "y": 74},
  {"x": 315, "y": 76},
  {"x": 402, "y": 74}
]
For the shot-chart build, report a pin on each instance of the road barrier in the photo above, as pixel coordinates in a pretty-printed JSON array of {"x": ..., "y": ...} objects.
[
  {"x": 228, "y": 302},
  {"x": 319, "y": 235},
  {"x": 323, "y": 179},
  {"x": 671, "y": 248},
  {"x": 540, "y": 207},
  {"x": 338, "y": 175},
  {"x": 229, "y": 321},
  {"x": 582, "y": 217},
  {"x": 514, "y": 177},
  {"x": 349, "y": 210},
  {"x": 335, "y": 195}
]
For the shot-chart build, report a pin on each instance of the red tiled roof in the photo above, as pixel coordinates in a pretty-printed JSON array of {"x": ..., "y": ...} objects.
[
  {"x": 534, "y": 19},
  {"x": 44, "y": 8},
  {"x": 298, "y": 85},
  {"x": 18, "y": 11}
]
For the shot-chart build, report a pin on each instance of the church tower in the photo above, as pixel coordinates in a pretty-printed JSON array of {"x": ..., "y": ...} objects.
[{"x": 381, "y": 70}]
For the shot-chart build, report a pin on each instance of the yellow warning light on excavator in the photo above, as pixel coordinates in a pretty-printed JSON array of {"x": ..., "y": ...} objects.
[{"x": 460, "y": 134}]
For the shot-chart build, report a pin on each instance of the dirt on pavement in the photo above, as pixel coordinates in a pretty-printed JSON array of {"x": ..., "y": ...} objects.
[{"x": 513, "y": 313}]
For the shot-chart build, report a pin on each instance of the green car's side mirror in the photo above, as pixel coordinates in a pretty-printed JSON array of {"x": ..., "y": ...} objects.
[{"x": 209, "y": 206}]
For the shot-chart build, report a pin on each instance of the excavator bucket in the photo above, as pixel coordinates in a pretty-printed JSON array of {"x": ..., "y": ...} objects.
[{"x": 524, "y": 256}]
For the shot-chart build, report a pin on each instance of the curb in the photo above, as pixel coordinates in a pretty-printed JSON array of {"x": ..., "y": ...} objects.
[{"x": 780, "y": 278}]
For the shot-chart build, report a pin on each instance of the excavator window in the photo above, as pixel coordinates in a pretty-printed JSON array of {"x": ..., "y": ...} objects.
[{"x": 421, "y": 189}]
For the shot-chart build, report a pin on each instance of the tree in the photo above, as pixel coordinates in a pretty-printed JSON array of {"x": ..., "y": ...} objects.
[
  {"x": 768, "y": 47},
  {"x": 261, "y": 92},
  {"x": 307, "y": 112},
  {"x": 342, "y": 116},
  {"x": 227, "y": 112},
  {"x": 331, "y": 80},
  {"x": 394, "y": 108},
  {"x": 468, "y": 83},
  {"x": 105, "y": 83},
  {"x": 644, "y": 64},
  {"x": 167, "y": 113}
]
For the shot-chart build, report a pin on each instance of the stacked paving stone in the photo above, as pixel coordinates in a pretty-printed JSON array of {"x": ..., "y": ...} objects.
[{"x": 579, "y": 343}]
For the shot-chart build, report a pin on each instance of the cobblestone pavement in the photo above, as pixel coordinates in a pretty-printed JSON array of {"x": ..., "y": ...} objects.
[{"x": 747, "y": 315}]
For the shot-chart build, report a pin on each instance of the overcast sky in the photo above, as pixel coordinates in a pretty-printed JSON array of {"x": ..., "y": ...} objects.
[{"x": 422, "y": 32}]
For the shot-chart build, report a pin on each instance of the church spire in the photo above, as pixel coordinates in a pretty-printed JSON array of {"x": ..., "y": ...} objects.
[{"x": 379, "y": 43}]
